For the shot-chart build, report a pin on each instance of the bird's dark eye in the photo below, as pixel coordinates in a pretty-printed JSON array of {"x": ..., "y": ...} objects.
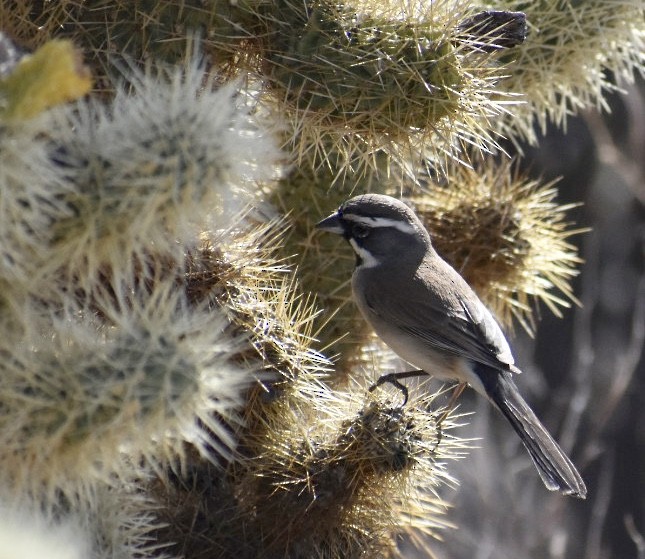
[{"x": 360, "y": 231}]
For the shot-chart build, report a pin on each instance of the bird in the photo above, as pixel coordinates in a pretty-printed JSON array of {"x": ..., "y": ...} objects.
[{"x": 422, "y": 308}]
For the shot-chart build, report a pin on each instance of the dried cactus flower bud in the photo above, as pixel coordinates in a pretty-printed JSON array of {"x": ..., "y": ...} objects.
[{"x": 496, "y": 29}]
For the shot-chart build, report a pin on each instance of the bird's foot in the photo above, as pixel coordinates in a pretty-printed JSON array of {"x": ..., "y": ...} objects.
[{"x": 394, "y": 379}]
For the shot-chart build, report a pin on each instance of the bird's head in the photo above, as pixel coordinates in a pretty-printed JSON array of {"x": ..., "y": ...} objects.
[{"x": 382, "y": 230}]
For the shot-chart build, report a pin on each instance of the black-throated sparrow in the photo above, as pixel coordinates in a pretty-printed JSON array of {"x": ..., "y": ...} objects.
[{"x": 426, "y": 312}]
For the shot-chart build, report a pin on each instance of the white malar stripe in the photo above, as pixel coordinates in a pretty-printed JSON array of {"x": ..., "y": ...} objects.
[
  {"x": 367, "y": 260},
  {"x": 381, "y": 222}
]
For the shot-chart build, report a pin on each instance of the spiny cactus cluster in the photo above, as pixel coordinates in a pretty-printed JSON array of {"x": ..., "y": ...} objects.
[
  {"x": 183, "y": 372},
  {"x": 506, "y": 235},
  {"x": 323, "y": 473},
  {"x": 349, "y": 80},
  {"x": 576, "y": 52}
]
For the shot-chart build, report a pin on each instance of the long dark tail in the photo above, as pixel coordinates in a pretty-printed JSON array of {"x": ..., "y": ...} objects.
[{"x": 556, "y": 470}]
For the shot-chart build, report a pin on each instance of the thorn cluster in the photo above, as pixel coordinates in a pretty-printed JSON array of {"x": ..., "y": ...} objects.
[
  {"x": 507, "y": 236},
  {"x": 575, "y": 53},
  {"x": 352, "y": 79},
  {"x": 330, "y": 476}
]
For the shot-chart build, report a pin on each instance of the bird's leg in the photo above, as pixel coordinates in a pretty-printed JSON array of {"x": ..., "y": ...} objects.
[
  {"x": 394, "y": 379},
  {"x": 456, "y": 392}
]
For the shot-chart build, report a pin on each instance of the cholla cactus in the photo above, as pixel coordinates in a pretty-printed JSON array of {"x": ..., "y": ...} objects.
[
  {"x": 353, "y": 80},
  {"x": 324, "y": 265},
  {"x": 507, "y": 236},
  {"x": 141, "y": 377},
  {"x": 162, "y": 169},
  {"x": 160, "y": 326},
  {"x": 107, "y": 359},
  {"x": 575, "y": 53},
  {"x": 359, "y": 80},
  {"x": 327, "y": 474},
  {"x": 114, "y": 361},
  {"x": 345, "y": 487}
]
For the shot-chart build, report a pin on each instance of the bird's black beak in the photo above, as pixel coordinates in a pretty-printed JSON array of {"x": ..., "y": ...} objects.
[{"x": 332, "y": 224}]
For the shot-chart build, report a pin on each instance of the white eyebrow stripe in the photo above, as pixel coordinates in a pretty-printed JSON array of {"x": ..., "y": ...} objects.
[{"x": 381, "y": 222}]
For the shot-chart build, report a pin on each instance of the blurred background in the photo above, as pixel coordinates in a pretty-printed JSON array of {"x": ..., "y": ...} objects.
[{"x": 585, "y": 373}]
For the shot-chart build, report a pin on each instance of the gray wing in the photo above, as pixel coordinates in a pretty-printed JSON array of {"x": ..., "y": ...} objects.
[{"x": 449, "y": 317}]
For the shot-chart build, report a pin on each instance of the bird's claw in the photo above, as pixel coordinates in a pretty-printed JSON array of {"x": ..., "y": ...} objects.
[{"x": 392, "y": 379}]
